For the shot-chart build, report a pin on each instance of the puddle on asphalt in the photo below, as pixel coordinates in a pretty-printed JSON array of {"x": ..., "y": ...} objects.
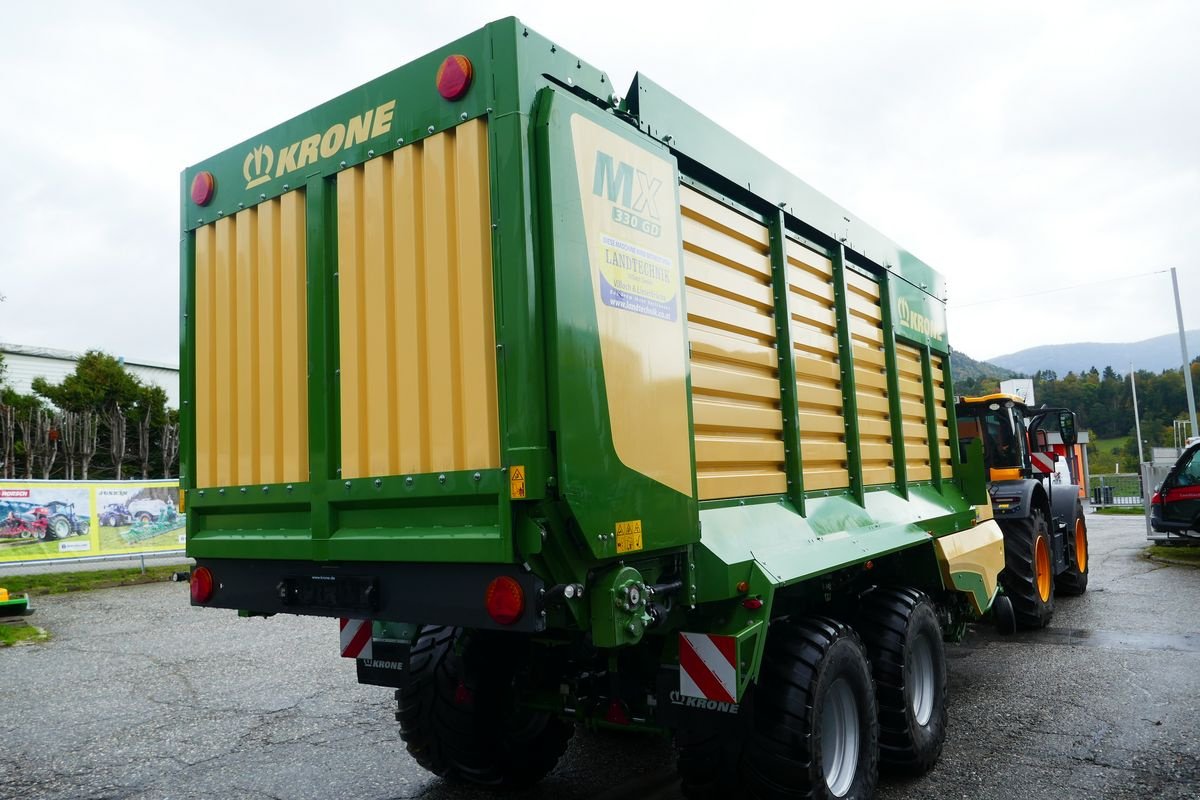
[{"x": 1110, "y": 640}]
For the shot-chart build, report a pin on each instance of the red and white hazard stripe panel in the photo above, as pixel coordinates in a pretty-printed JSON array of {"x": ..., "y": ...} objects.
[
  {"x": 1043, "y": 462},
  {"x": 356, "y": 638},
  {"x": 708, "y": 667}
]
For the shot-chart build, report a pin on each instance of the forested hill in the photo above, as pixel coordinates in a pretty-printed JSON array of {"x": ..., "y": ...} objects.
[
  {"x": 1101, "y": 397},
  {"x": 966, "y": 370}
]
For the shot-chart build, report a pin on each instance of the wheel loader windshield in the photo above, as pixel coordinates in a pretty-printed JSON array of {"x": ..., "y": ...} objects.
[{"x": 1000, "y": 438}]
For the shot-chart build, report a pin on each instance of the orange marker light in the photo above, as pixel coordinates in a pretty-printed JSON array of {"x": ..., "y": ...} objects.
[
  {"x": 454, "y": 77},
  {"x": 204, "y": 185}
]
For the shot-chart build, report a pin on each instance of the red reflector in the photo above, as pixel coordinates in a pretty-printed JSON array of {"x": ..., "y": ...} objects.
[
  {"x": 1156, "y": 500},
  {"x": 454, "y": 77},
  {"x": 743, "y": 587},
  {"x": 203, "y": 187},
  {"x": 202, "y": 585},
  {"x": 505, "y": 600},
  {"x": 617, "y": 714},
  {"x": 754, "y": 604}
]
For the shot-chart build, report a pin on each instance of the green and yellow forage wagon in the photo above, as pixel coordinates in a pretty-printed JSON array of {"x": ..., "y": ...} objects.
[{"x": 575, "y": 409}]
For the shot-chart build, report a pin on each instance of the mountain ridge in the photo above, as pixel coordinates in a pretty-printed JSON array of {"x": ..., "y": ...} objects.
[{"x": 1155, "y": 354}]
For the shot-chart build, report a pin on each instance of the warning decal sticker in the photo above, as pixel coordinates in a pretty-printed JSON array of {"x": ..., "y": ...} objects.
[{"x": 516, "y": 483}]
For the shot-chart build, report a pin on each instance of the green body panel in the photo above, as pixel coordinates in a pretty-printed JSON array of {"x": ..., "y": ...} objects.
[
  {"x": 971, "y": 583},
  {"x": 917, "y": 317},
  {"x": 846, "y": 364},
  {"x": 596, "y": 485},
  {"x": 787, "y": 551}
]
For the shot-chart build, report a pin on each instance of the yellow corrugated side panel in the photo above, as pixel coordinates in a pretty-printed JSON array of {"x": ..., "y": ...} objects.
[
  {"x": 818, "y": 374},
  {"x": 735, "y": 378},
  {"x": 870, "y": 379},
  {"x": 416, "y": 318},
  {"x": 943, "y": 420},
  {"x": 251, "y": 346},
  {"x": 912, "y": 410}
]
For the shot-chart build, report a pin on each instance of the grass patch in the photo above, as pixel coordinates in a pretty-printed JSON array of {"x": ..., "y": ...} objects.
[
  {"x": 16, "y": 634},
  {"x": 60, "y": 582},
  {"x": 1130, "y": 511},
  {"x": 1185, "y": 554}
]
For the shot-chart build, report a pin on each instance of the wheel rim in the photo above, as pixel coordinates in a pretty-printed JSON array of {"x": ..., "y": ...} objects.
[
  {"x": 839, "y": 737},
  {"x": 1081, "y": 553},
  {"x": 61, "y": 529},
  {"x": 920, "y": 680},
  {"x": 1042, "y": 568}
]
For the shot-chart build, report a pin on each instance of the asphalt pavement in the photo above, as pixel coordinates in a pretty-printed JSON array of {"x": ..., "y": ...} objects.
[{"x": 138, "y": 695}]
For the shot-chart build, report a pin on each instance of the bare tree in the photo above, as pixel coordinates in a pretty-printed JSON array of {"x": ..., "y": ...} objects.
[
  {"x": 8, "y": 432},
  {"x": 118, "y": 423},
  {"x": 89, "y": 429},
  {"x": 170, "y": 443},
  {"x": 45, "y": 440},
  {"x": 68, "y": 434},
  {"x": 27, "y": 419},
  {"x": 149, "y": 411}
]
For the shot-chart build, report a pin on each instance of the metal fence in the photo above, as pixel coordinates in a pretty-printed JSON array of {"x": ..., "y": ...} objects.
[{"x": 1120, "y": 489}]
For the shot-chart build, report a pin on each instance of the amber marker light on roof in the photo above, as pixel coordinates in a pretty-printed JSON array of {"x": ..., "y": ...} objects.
[
  {"x": 454, "y": 77},
  {"x": 203, "y": 187}
]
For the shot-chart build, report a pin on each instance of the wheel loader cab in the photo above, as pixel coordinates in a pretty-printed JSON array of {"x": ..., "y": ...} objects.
[{"x": 999, "y": 422}]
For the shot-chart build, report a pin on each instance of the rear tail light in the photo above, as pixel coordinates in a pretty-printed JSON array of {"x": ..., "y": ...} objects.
[
  {"x": 202, "y": 585},
  {"x": 454, "y": 77},
  {"x": 1156, "y": 499},
  {"x": 505, "y": 600}
]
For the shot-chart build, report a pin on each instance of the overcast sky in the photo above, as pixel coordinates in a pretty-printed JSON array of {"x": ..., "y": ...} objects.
[{"x": 1015, "y": 147}]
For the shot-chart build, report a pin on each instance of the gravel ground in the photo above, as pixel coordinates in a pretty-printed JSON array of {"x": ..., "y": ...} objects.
[{"x": 137, "y": 695}]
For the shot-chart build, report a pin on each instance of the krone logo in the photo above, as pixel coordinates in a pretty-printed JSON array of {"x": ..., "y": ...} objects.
[
  {"x": 918, "y": 322},
  {"x": 257, "y": 166},
  {"x": 264, "y": 162}
]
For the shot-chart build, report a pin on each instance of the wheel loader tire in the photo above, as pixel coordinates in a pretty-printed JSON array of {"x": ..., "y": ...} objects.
[
  {"x": 1074, "y": 580},
  {"x": 1027, "y": 576},
  {"x": 908, "y": 662},
  {"x": 458, "y": 716},
  {"x": 810, "y": 729}
]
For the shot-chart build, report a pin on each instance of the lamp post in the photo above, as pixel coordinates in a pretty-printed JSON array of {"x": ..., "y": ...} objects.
[{"x": 1183, "y": 351}]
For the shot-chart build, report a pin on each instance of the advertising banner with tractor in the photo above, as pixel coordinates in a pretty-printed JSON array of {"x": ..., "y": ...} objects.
[{"x": 69, "y": 519}]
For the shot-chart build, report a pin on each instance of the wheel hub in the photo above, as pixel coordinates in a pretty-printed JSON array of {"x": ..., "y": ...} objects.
[
  {"x": 921, "y": 683},
  {"x": 840, "y": 737}
]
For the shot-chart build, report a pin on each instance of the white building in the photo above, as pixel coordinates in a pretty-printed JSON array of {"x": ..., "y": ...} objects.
[{"x": 25, "y": 363}]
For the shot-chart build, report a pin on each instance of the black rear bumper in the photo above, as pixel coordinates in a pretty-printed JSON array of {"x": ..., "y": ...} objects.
[{"x": 442, "y": 594}]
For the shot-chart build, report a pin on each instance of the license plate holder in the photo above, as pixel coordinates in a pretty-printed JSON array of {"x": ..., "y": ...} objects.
[{"x": 332, "y": 592}]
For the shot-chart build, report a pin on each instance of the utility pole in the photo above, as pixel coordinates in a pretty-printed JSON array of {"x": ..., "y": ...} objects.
[
  {"x": 1137, "y": 422},
  {"x": 1183, "y": 351}
]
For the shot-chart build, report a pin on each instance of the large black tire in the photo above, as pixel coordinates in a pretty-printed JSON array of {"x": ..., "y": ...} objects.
[
  {"x": 1074, "y": 580},
  {"x": 908, "y": 661},
  {"x": 60, "y": 527},
  {"x": 809, "y": 730},
  {"x": 458, "y": 716},
  {"x": 1027, "y": 576}
]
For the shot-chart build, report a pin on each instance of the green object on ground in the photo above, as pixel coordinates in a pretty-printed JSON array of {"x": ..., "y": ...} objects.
[{"x": 60, "y": 582}]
